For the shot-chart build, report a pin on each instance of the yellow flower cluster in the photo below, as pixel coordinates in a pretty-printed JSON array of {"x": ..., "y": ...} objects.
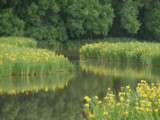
[
  {"x": 140, "y": 103},
  {"x": 149, "y": 97},
  {"x": 30, "y": 60}
]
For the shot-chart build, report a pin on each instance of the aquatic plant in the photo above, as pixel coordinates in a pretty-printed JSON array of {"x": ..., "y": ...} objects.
[
  {"x": 143, "y": 103},
  {"x": 30, "y": 61},
  {"x": 126, "y": 52},
  {"x": 18, "y": 41}
]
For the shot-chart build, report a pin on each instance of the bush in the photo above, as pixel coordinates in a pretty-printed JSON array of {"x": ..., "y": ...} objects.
[{"x": 10, "y": 24}]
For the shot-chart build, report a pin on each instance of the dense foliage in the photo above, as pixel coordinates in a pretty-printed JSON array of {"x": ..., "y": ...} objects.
[
  {"x": 61, "y": 20},
  {"x": 127, "y": 104}
]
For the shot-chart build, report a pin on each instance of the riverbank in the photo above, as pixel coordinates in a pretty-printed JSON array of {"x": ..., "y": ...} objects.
[
  {"x": 134, "y": 51},
  {"x": 23, "y": 60}
]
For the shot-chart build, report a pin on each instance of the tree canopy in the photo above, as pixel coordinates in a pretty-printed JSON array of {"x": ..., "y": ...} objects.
[{"x": 61, "y": 20}]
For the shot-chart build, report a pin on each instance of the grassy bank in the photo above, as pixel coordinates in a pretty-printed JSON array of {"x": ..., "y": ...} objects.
[
  {"x": 30, "y": 61},
  {"x": 146, "y": 53},
  {"x": 139, "y": 104},
  {"x": 18, "y": 41}
]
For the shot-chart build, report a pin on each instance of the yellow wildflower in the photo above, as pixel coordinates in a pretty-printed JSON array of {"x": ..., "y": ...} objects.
[
  {"x": 86, "y": 105},
  {"x": 125, "y": 114},
  {"x": 105, "y": 114},
  {"x": 87, "y": 98}
]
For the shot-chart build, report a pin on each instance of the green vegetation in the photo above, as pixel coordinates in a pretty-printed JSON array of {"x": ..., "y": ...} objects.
[
  {"x": 129, "y": 16},
  {"x": 19, "y": 41},
  {"x": 63, "y": 20},
  {"x": 153, "y": 20},
  {"x": 125, "y": 52},
  {"x": 30, "y": 61},
  {"x": 140, "y": 104},
  {"x": 64, "y": 26},
  {"x": 19, "y": 56}
]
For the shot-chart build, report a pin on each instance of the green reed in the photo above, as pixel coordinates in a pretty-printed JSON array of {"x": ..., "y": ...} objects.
[
  {"x": 30, "y": 61},
  {"x": 143, "y": 52}
]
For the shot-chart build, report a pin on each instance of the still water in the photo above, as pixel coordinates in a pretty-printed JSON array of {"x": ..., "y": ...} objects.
[{"x": 60, "y": 96}]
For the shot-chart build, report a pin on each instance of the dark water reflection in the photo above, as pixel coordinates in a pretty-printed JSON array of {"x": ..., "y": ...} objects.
[{"x": 63, "y": 101}]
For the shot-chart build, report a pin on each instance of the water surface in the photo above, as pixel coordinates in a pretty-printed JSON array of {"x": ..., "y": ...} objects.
[{"x": 60, "y": 97}]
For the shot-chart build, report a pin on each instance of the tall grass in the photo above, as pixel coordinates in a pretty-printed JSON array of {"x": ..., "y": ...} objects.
[
  {"x": 146, "y": 53},
  {"x": 30, "y": 61},
  {"x": 141, "y": 103},
  {"x": 18, "y": 41}
]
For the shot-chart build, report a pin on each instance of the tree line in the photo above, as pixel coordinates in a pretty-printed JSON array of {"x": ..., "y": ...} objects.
[{"x": 62, "y": 20}]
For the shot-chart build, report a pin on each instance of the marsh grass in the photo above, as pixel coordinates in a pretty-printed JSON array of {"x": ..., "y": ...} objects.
[
  {"x": 30, "y": 61},
  {"x": 19, "y": 41},
  {"x": 126, "y": 52}
]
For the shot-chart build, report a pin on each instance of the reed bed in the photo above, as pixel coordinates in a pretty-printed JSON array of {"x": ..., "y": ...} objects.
[
  {"x": 19, "y": 41},
  {"x": 143, "y": 52},
  {"x": 30, "y": 61},
  {"x": 142, "y": 103}
]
